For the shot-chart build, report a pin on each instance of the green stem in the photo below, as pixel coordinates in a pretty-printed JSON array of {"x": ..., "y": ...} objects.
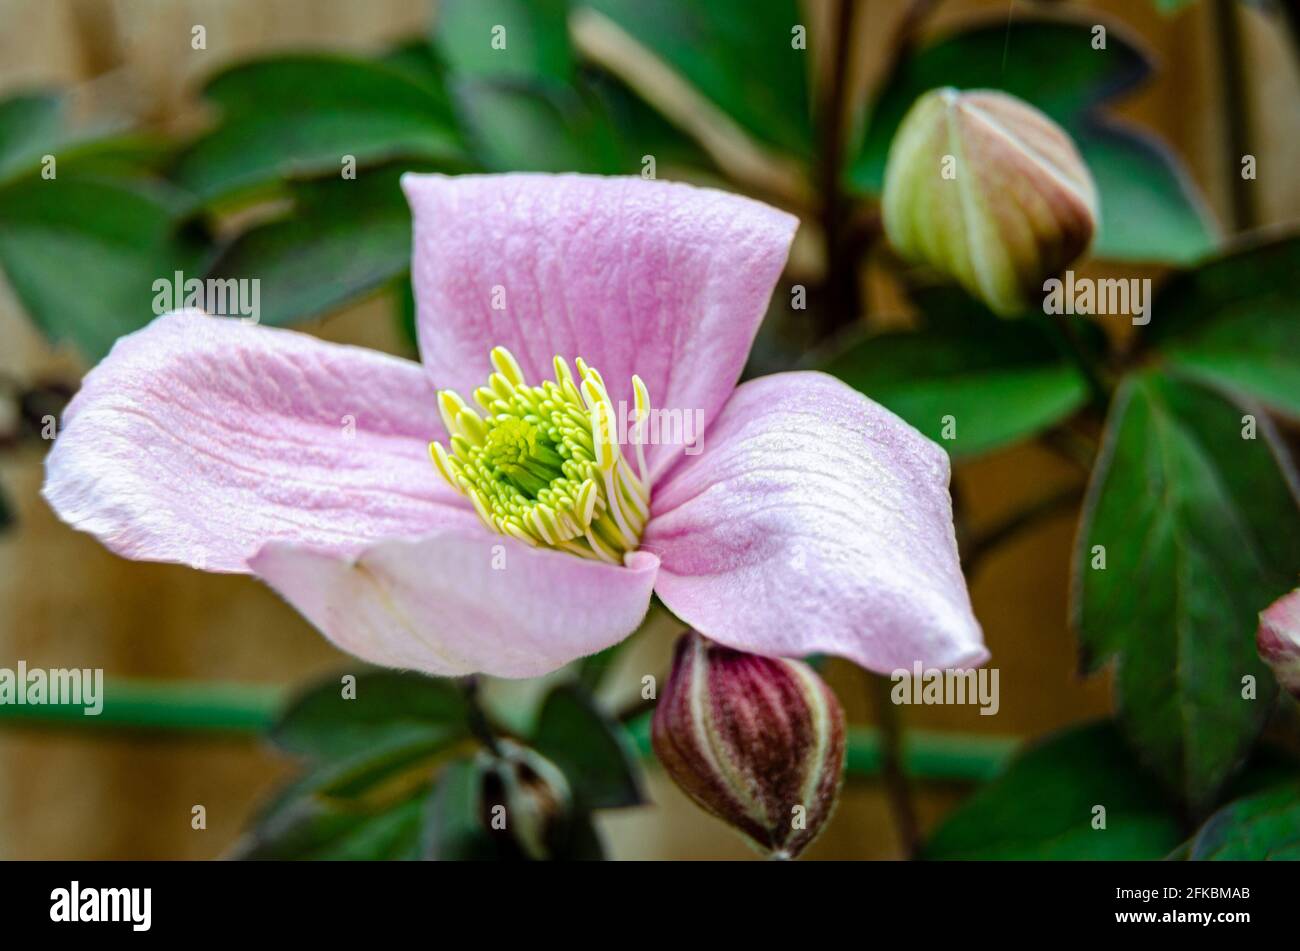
[
  {"x": 221, "y": 709},
  {"x": 893, "y": 772},
  {"x": 843, "y": 301},
  {"x": 1236, "y": 110},
  {"x": 478, "y": 721},
  {"x": 167, "y": 707}
]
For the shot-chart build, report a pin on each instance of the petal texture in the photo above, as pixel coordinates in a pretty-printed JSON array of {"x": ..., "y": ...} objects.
[
  {"x": 665, "y": 280},
  {"x": 460, "y": 602},
  {"x": 815, "y": 521},
  {"x": 199, "y": 439}
]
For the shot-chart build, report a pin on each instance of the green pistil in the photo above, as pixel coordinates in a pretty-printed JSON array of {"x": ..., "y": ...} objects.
[{"x": 544, "y": 464}]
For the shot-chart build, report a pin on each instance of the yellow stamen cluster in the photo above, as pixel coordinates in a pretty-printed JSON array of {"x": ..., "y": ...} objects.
[{"x": 544, "y": 464}]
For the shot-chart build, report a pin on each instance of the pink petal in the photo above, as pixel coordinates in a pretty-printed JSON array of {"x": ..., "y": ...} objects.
[
  {"x": 460, "y": 602},
  {"x": 815, "y": 521},
  {"x": 199, "y": 439},
  {"x": 665, "y": 280}
]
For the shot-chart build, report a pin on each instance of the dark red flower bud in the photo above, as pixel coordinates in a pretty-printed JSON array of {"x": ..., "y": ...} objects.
[{"x": 757, "y": 741}]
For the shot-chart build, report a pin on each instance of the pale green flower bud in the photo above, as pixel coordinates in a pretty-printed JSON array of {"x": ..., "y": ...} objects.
[{"x": 988, "y": 190}]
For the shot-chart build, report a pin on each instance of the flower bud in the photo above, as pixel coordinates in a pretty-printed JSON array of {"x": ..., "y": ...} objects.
[
  {"x": 990, "y": 191},
  {"x": 534, "y": 794},
  {"x": 756, "y": 741},
  {"x": 1278, "y": 640}
]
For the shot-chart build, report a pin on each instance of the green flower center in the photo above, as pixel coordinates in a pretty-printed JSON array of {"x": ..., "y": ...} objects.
[{"x": 543, "y": 464}]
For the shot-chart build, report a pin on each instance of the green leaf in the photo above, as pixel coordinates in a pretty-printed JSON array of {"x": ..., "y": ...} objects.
[
  {"x": 737, "y": 53},
  {"x": 524, "y": 39},
  {"x": 34, "y": 125},
  {"x": 1000, "y": 382},
  {"x": 593, "y": 751},
  {"x": 453, "y": 827},
  {"x": 298, "y": 116},
  {"x": 455, "y": 820},
  {"x": 539, "y": 128},
  {"x": 1149, "y": 207},
  {"x": 1235, "y": 322},
  {"x": 1264, "y": 826},
  {"x": 342, "y": 239},
  {"x": 114, "y": 238},
  {"x": 1042, "y": 806},
  {"x": 30, "y": 125},
  {"x": 641, "y": 131},
  {"x": 1201, "y": 530},
  {"x": 388, "y": 707},
  {"x": 324, "y": 829}
]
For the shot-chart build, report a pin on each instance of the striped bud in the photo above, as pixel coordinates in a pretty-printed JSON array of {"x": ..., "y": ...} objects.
[
  {"x": 986, "y": 189},
  {"x": 1278, "y": 640},
  {"x": 756, "y": 741}
]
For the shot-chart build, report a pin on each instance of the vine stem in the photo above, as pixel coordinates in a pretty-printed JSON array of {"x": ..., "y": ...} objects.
[
  {"x": 843, "y": 300},
  {"x": 1054, "y": 503},
  {"x": 1236, "y": 110},
  {"x": 478, "y": 721},
  {"x": 898, "y": 787}
]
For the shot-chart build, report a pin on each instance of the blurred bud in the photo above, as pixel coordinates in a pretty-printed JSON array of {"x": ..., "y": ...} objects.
[
  {"x": 757, "y": 742},
  {"x": 1278, "y": 640},
  {"x": 527, "y": 795},
  {"x": 991, "y": 192}
]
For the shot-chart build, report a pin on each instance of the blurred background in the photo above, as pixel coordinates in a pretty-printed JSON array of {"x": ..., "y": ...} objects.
[{"x": 66, "y": 601}]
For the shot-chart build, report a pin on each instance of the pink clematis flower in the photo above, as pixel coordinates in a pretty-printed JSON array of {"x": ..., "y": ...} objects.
[{"x": 812, "y": 521}]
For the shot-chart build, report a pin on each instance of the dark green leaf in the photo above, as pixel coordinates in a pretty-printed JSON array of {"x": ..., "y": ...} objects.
[
  {"x": 1001, "y": 382},
  {"x": 1235, "y": 322},
  {"x": 1260, "y": 827},
  {"x": 1149, "y": 209},
  {"x": 1201, "y": 530},
  {"x": 321, "y": 828},
  {"x": 7, "y": 518},
  {"x": 641, "y": 132},
  {"x": 116, "y": 237},
  {"x": 539, "y": 128},
  {"x": 453, "y": 828},
  {"x": 419, "y": 62},
  {"x": 737, "y": 53},
  {"x": 1042, "y": 806},
  {"x": 524, "y": 39},
  {"x": 593, "y": 751},
  {"x": 388, "y": 707},
  {"x": 341, "y": 240},
  {"x": 298, "y": 116}
]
